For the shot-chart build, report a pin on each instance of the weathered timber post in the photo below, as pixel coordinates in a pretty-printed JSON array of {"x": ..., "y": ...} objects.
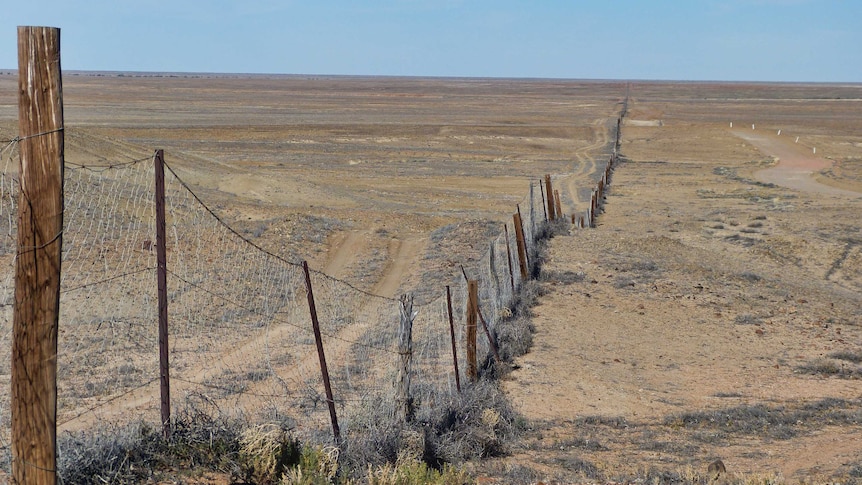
[
  {"x": 532, "y": 213},
  {"x": 491, "y": 343},
  {"x": 544, "y": 204},
  {"x": 403, "y": 402},
  {"x": 557, "y": 206},
  {"x": 509, "y": 258},
  {"x": 550, "y": 191},
  {"x": 524, "y": 234},
  {"x": 497, "y": 289},
  {"x": 452, "y": 334},
  {"x": 162, "y": 283},
  {"x": 324, "y": 371},
  {"x": 472, "y": 313},
  {"x": 37, "y": 265},
  {"x": 519, "y": 241}
]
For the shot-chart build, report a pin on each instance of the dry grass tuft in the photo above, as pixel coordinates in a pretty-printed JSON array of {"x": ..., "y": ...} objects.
[{"x": 265, "y": 451}]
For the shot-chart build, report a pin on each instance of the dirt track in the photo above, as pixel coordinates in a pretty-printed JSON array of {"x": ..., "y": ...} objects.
[
  {"x": 796, "y": 164},
  {"x": 695, "y": 293}
]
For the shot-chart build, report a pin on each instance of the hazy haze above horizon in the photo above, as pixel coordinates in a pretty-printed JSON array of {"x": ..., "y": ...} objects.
[{"x": 729, "y": 40}]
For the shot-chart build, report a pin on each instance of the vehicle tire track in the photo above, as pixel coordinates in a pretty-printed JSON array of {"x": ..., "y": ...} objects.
[
  {"x": 405, "y": 255},
  {"x": 586, "y": 158}
]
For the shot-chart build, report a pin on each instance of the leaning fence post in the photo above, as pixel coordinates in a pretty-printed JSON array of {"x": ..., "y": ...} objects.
[
  {"x": 549, "y": 190},
  {"x": 452, "y": 333},
  {"x": 491, "y": 342},
  {"x": 532, "y": 239},
  {"x": 472, "y": 312},
  {"x": 403, "y": 403},
  {"x": 544, "y": 206},
  {"x": 162, "y": 283},
  {"x": 36, "y": 309},
  {"x": 509, "y": 259},
  {"x": 519, "y": 240},
  {"x": 315, "y": 323}
]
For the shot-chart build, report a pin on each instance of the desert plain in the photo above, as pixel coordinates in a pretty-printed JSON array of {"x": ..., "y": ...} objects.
[{"x": 714, "y": 312}]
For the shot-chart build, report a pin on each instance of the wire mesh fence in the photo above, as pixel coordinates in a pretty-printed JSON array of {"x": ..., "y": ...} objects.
[{"x": 240, "y": 330}]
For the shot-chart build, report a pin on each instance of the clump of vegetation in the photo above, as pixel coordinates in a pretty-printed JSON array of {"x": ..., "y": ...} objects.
[
  {"x": 260, "y": 454},
  {"x": 746, "y": 319},
  {"x": 131, "y": 453},
  {"x": 265, "y": 451},
  {"x": 750, "y": 276},
  {"x": 563, "y": 277},
  {"x": 317, "y": 465},
  {"x": 477, "y": 423},
  {"x": 829, "y": 367},
  {"x": 849, "y": 356},
  {"x": 775, "y": 422},
  {"x": 821, "y": 367},
  {"x": 415, "y": 473}
]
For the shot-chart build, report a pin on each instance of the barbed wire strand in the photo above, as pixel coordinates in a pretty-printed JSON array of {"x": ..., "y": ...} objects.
[
  {"x": 286, "y": 322},
  {"x": 106, "y": 402},
  {"x": 111, "y": 165},
  {"x": 261, "y": 249},
  {"x": 107, "y": 280}
]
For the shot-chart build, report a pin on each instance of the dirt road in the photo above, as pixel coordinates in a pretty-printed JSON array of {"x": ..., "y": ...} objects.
[{"x": 796, "y": 163}]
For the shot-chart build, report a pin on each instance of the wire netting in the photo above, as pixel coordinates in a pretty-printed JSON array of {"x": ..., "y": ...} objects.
[{"x": 240, "y": 336}]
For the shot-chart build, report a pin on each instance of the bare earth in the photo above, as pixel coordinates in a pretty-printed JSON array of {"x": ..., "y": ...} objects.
[
  {"x": 675, "y": 333},
  {"x": 704, "y": 289}
]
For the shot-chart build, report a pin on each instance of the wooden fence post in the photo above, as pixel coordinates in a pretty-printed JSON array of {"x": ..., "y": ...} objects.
[
  {"x": 472, "y": 313},
  {"x": 509, "y": 258},
  {"x": 532, "y": 214},
  {"x": 403, "y": 402},
  {"x": 496, "y": 289},
  {"x": 522, "y": 250},
  {"x": 324, "y": 371},
  {"x": 544, "y": 204},
  {"x": 452, "y": 333},
  {"x": 550, "y": 191},
  {"x": 524, "y": 234},
  {"x": 162, "y": 283},
  {"x": 557, "y": 206},
  {"x": 491, "y": 343},
  {"x": 37, "y": 267}
]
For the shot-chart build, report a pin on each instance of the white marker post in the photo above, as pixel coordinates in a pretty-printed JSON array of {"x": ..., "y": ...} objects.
[
  {"x": 731, "y": 124},
  {"x": 752, "y": 126},
  {"x": 814, "y": 149},
  {"x": 797, "y": 140},
  {"x": 779, "y": 132}
]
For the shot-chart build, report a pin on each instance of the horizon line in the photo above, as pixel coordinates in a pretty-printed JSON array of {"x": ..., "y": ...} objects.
[{"x": 190, "y": 74}]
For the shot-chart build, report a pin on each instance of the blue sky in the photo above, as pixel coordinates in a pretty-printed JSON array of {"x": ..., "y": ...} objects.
[{"x": 742, "y": 40}]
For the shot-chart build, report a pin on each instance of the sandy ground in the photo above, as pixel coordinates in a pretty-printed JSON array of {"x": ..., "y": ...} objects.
[{"x": 701, "y": 290}]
